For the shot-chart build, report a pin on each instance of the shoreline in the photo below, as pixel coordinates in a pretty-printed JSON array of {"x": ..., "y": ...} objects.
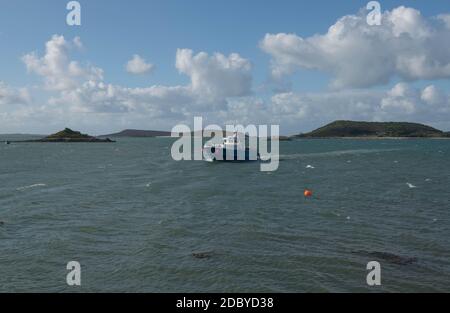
[
  {"x": 61, "y": 141},
  {"x": 376, "y": 138}
]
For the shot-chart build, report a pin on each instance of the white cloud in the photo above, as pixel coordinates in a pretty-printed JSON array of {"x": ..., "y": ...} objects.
[
  {"x": 400, "y": 99},
  {"x": 213, "y": 80},
  {"x": 77, "y": 43},
  {"x": 12, "y": 96},
  {"x": 445, "y": 18},
  {"x": 58, "y": 72},
  {"x": 403, "y": 102},
  {"x": 432, "y": 96},
  {"x": 77, "y": 93},
  {"x": 137, "y": 65},
  {"x": 296, "y": 112},
  {"x": 98, "y": 97},
  {"x": 357, "y": 55},
  {"x": 219, "y": 89},
  {"x": 215, "y": 77},
  {"x": 306, "y": 111}
]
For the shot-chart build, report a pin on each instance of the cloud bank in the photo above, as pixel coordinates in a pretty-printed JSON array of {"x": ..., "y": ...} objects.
[
  {"x": 358, "y": 55},
  {"x": 407, "y": 47}
]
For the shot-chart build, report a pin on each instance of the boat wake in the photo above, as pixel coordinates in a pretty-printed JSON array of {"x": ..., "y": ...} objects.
[{"x": 332, "y": 153}]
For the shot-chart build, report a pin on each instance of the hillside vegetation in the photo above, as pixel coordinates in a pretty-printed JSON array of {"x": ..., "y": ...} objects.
[{"x": 374, "y": 129}]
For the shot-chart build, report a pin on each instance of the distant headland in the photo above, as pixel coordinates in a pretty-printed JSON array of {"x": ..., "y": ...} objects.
[
  {"x": 68, "y": 135},
  {"x": 336, "y": 129},
  {"x": 139, "y": 133},
  {"x": 374, "y": 130}
]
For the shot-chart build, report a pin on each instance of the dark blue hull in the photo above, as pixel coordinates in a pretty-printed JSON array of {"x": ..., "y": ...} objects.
[{"x": 224, "y": 155}]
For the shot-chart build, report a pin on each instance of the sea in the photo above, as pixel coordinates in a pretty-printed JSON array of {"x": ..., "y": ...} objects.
[{"x": 138, "y": 221}]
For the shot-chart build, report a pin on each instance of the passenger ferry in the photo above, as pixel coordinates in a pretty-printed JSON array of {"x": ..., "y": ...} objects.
[{"x": 230, "y": 150}]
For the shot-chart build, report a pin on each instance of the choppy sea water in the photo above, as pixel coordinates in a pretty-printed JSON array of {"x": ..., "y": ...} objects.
[{"x": 133, "y": 218}]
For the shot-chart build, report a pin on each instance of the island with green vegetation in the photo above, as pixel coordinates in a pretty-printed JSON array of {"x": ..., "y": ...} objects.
[
  {"x": 373, "y": 130},
  {"x": 68, "y": 135}
]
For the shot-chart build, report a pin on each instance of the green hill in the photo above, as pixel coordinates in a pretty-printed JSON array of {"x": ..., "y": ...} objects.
[
  {"x": 374, "y": 129},
  {"x": 68, "y": 135}
]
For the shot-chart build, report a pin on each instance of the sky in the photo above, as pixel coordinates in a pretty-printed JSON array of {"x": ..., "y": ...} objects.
[{"x": 155, "y": 64}]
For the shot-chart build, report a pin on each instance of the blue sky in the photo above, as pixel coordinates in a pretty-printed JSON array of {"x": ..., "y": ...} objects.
[{"x": 113, "y": 31}]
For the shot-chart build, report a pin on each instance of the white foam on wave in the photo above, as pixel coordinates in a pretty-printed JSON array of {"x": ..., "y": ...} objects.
[
  {"x": 309, "y": 166},
  {"x": 411, "y": 185},
  {"x": 31, "y": 186},
  {"x": 268, "y": 157}
]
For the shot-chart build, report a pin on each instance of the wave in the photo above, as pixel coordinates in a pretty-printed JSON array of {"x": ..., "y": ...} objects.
[{"x": 30, "y": 186}]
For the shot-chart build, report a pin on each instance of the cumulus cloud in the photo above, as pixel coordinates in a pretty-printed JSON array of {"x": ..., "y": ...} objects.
[
  {"x": 98, "y": 97},
  {"x": 400, "y": 99},
  {"x": 400, "y": 103},
  {"x": 77, "y": 43},
  {"x": 432, "y": 96},
  {"x": 220, "y": 89},
  {"x": 57, "y": 70},
  {"x": 12, "y": 96},
  {"x": 77, "y": 90},
  {"x": 357, "y": 55},
  {"x": 137, "y": 65},
  {"x": 445, "y": 18},
  {"x": 215, "y": 77},
  {"x": 213, "y": 80}
]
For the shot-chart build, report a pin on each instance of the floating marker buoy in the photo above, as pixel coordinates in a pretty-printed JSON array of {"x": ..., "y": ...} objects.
[{"x": 307, "y": 193}]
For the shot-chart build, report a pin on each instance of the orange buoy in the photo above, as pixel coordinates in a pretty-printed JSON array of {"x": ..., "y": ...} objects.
[{"x": 308, "y": 193}]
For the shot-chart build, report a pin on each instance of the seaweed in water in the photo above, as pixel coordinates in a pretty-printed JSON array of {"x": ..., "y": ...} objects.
[
  {"x": 389, "y": 257},
  {"x": 202, "y": 255}
]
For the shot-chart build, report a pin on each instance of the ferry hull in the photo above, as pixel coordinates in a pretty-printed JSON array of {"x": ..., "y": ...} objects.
[{"x": 230, "y": 155}]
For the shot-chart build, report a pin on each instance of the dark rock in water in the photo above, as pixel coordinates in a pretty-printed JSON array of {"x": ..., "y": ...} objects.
[
  {"x": 202, "y": 255},
  {"x": 386, "y": 256}
]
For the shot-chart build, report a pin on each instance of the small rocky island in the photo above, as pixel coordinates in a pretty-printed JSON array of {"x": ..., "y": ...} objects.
[
  {"x": 373, "y": 130},
  {"x": 68, "y": 135}
]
